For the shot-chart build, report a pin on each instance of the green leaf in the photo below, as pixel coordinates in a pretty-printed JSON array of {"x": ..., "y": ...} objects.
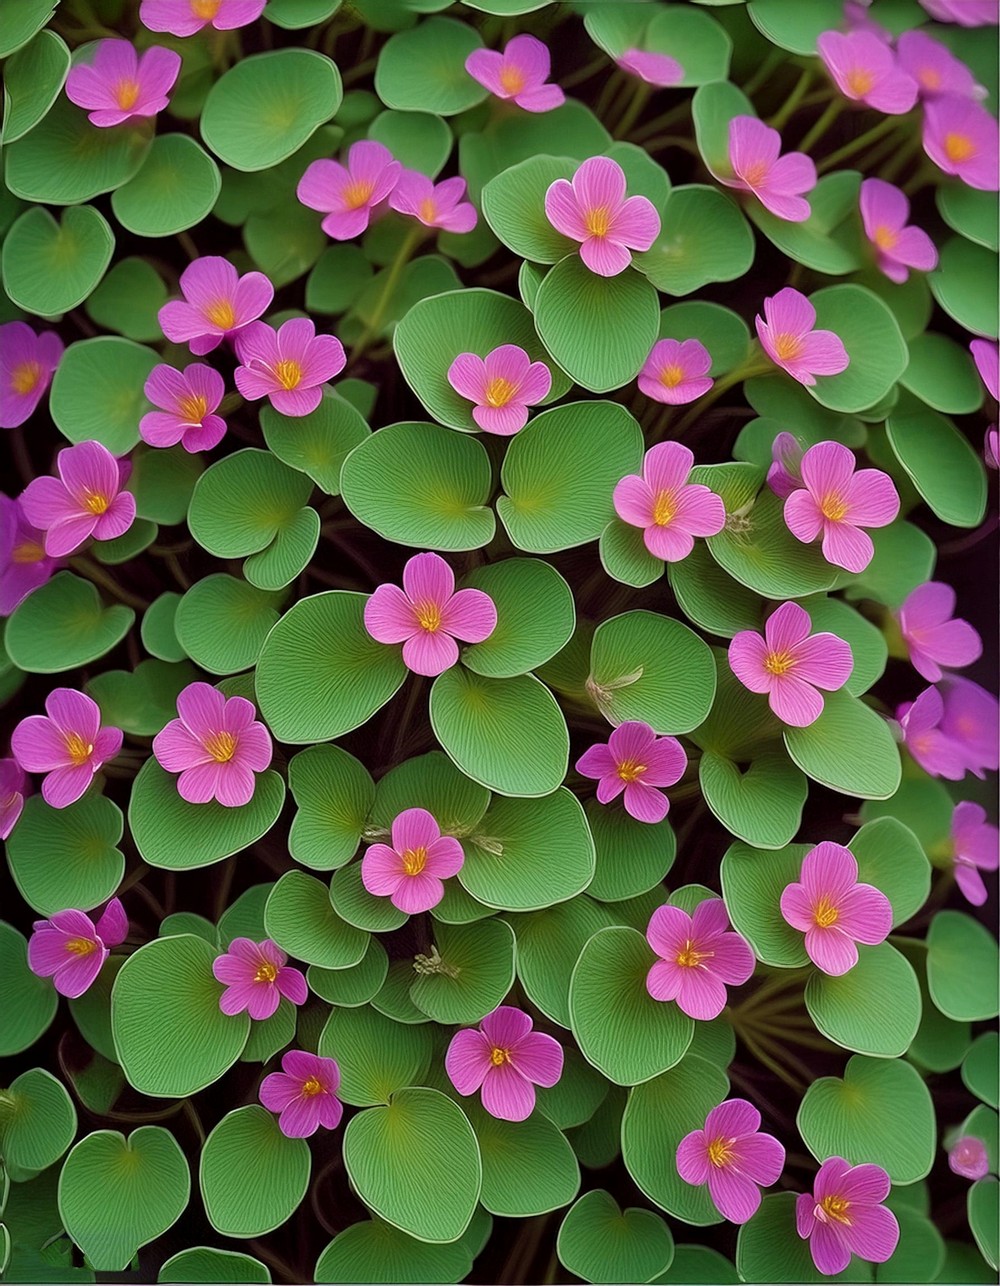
[
  {"x": 964, "y": 284},
  {"x": 284, "y": 243},
  {"x": 871, "y": 335},
  {"x": 962, "y": 967},
  {"x": 890, "y": 857},
  {"x": 97, "y": 391},
  {"x": 334, "y": 794},
  {"x": 761, "y": 804},
  {"x": 528, "y": 1166},
  {"x": 829, "y": 241},
  {"x": 795, "y": 28},
  {"x": 293, "y": 14},
  {"x": 128, "y": 300},
  {"x": 21, "y": 20},
  {"x": 143, "y": 700},
  {"x": 696, "y": 1264},
  {"x": 632, "y": 857},
  {"x": 535, "y": 617},
  {"x": 709, "y": 597},
  {"x": 979, "y": 1068},
  {"x": 692, "y": 38},
  {"x": 50, "y": 267},
  {"x": 340, "y": 275},
  {"x": 162, "y": 480},
  {"x": 940, "y": 461},
  {"x": 423, "y": 70},
  {"x": 317, "y": 444},
  {"x": 300, "y": 918},
  {"x": 704, "y": 238},
  {"x": 920, "y": 1254},
  {"x": 943, "y": 374},
  {"x": 769, "y": 1248},
  {"x": 271, "y": 1034},
  {"x": 625, "y": 557},
  {"x": 549, "y": 943},
  {"x": 377, "y": 1056},
  {"x": 827, "y": 751},
  {"x": 252, "y": 1177},
  {"x": 222, "y": 622},
  {"x": 873, "y": 1009},
  {"x": 353, "y": 903},
  {"x": 37, "y": 1120},
  {"x": 159, "y": 637},
  {"x": 428, "y": 781},
  {"x": 514, "y": 206},
  {"x": 904, "y": 558},
  {"x": 712, "y": 108},
  {"x": 867, "y": 642},
  {"x": 373, "y": 1251},
  {"x": 600, "y": 1242},
  {"x": 244, "y": 502},
  {"x": 468, "y": 973},
  {"x": 32, "y": 79},
  {"x": 577, "y": 1094},
  {"x": 62, "y": 625},
  {"x": 67, "y": 857},
  {"x": 206, "y": 1264},
  {"x": 968, "y": 211},
  {"x": 984, "y": 1218},
  {"x": 752, "y": 883},
  {"x": 724, "y": 333},
  {"x": 31, "y": 1001},
  {"x": 356, "y": 985},
  {"x": 175, "y": 189},
  {"x": 419, "y": 140}
]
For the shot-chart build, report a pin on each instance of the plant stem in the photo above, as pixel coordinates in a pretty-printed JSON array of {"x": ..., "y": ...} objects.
[
  {"x": 884, "y": 127},
  {"x": 403, "y": 256},
  {"x": 754, "y": 365},
  {"x": 799, "y": 90},
  {"x": 820, "y": 125},
  {"x": 640, "y": 96},
  {"x": 94, "y": 573}
]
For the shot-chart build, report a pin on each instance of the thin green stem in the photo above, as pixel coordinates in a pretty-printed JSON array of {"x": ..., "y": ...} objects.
[
  {"x": 899, "y": 159},
  {"x": 886, "y": 126},
  {"x": 640, "y": 96},
  {"x": 94, "y": 573},
  {"x": 662, "y": 122},
  {"x": 799, "y": 91},
  {"x": 820, "y": 126},
  {"x": 403, "y": 256},
  {"x": 763, "y": 71},
  {"x": 754, "y": 365}
]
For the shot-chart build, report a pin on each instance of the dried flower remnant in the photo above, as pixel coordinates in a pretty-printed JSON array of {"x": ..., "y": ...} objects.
[
  {"x": 303, "y": 1094},
  {"x": 85, "y": 500},
  {"x": 119, "y": 84},
  {"x": 216, "y": 745},
  {"x": 778, "y": 182},
  {"x": 670, "y": 510},
  {"x": 934, "y": 639},
  {"x": 699, "y": 957},
  {"x": 519, "y": 74},
  {"x": 733, "y": 1157},
  {"x": 833, "y": 910},
  {"x": 218, "y": 303},
  {"x": 505, "y": 1059},
  {"x": 637, "y": 764},
  {"x": 594, "y": 210},
  {"x": 865, "y": 69},
  {"x": 67, "y": 743},
  {"x": 435, "y": 205},
  {"x": 349, "y": 195},
  {"x": 13, "y": 788},
  {"x": 788, "y": 337},
  {"x": 843, "y": 1216},
  {"x": 898, "y": 246},
  {"x": 676, "y": 371},
  {"x": 257, "y": 976},
  {"x": 969, "y": 1158},
  {"x": 974, "y": 846},
  {"x": 784, "y": 474},
  {"x": 185, "y": 17},
  {"x": 289, "y": 366},
  {"x": 188, "y": 400},
  {"x": 961, "y": 138},
  {"x": 411, "y": 871},
  {"x": 70, "y": 949},
  {"x": 502, "y": 385},
  {"x": 27, "y": 363}
]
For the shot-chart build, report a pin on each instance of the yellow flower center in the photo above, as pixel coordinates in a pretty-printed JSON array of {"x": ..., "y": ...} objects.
[
  {"x": 357, "y": 193},
  {"x": 428, "y": 617},
  {"x": 825, "y": 914},
  {"x": 222, "y": 314},
  {"x": 266, "y": 972},
  {"x": 885, "y": 238},
  {"x": 205, "y": 9},
  {"x": 24, "y": 377},
  {"x": 664, "y": 508},
  {"x": 78, "y": 750},
  {"x": 833, "y": 506},
  {"x": 311, "y": 1087},
  {"x": 598, "y": 221},
  {"x": 428, "y": 209},
  {"x": 221, "y": 746},
  {"x": 860, "y": 81},
  {"x": 193, "y": 408},
  {"x": 690, "y": 958},
  {"x": 778, "y": 662},
  {"x": 96, "y": 502},
  {"x": 499, "y": 391},
  {"x": 29, "y": 551},
  {"x": 720, "y": 1152},
  {"x": 929, "y": 77},
  {"x": 958, "y": 147},
  {"x": 755, "y": 173},
  {"x": 629, "y": 770},
  {"x": 414, "y": 860},
  {"x": 512, "y": 79},
  {"x": 671, "y": 376},
  {"x": 127, "y": 94},
  {"x": 81, "y": 946},
  {"x": 788, "y": 346},
  {"x": 289, "y": 373},
  {"x": 499, "y": 1056},
  {"x": 835, "y": 1208}
]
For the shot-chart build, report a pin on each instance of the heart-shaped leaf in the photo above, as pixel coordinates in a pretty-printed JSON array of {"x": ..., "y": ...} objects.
[
  {"x": 63, "y": 625},
  {"x": 600, "y": 1242},
  {"x": 252, "y": 1177},
  {"x": 874, "y": 1008},
  {"x": 62, "y": 857}
]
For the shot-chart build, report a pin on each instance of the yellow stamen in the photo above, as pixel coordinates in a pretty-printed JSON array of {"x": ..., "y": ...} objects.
[
  {"x": 885, "y": 238},
  {"x": 193, "y": 408},
  {"x": 664, "y": 508},
  {"x": 778, "y": 662},
  {"x": 833, "y": 506},
  {"x": 598, "y": 221},
  {"x": 755, "y": 173},
  {"x": 428, "y": 209},
  {"x": 428, "y": 617},
  {"x": 499, "y": 391},
  {"x": 24, "y": 377},
  {"x": 311, "y": 1087},
  {"x": 788, "y": 346},
  {"x": 929, "y": 78},
  {"x": 127, "y": 94},
  {"x": 835, "y": 1208},
  {"x": 671, "y": 376},
  {"x": 720, "y": 1152},
  {"x": 221, "y": 746},
  {"x": 512, "y": 79},
  {"x": 289, "y": 373},
  {"x": 222, "y": 314},
  {"x": 629, "y": 770},
  {"x": 357, "y": 192},
  {"x": 860, "y": 81},
  {"x": 29, "y": 551},
  {"x": 414, "y": 860},
  {"x": 499, "y": 1056},
  {"x": 266, "y": 972},
  {"x": 959, "y": 147},
  {"x": 78, "y": 750},
  {"x": 81, "y": 946},
  {"x": 690, "y": 958},
  {"x": 205, "y": 9},
  {"x": 825, "y": 913},
  {"x": 96, "y": 502}
]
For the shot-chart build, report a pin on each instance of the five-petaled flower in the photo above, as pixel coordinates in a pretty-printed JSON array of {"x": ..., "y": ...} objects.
[
  {"x": 636, "y": 762},
  {"x": 699, "y": 957},
  {"x": 934, "y": 638},
  {"x": 518, "y": 74},
  {"x": 670, "y": 510},
  {"x": 349, "y": 194},
  {"x": 733, "y": 1157},
  {"x": 975, "y": 847},
  {"x": 185, "y": 17},
  {"x": 843, "y": 1216},
  {"x": 505, "y": 1059},
  {"x": 24, "y": 564},
  {"x": 833, "y": 910},
  {"x": 898, "y": 246},
  {"x": 303, "y": 1093},
  {"x": 412, "y": 870},
  {"x": 187, "y": 400},
  {"x": 85, "y": 500},
  {"x": 961, "y": 138},
  {"x": 788, "y": 337},
  {"x": 655, "y": 69},
  {"x": 676, "y": 371},
  {"x": 934, "y": 67},
  {"x": 790, "y": 664},
  {"x": 67, "y": 743},
  {"x": 594, "y": 210},
  {"x": 289, "y": 365},
  {"x": 864, "y": 68},
  {"x": 256, "y": 976},
  {"x": 27, "y": 361},
  {"x": 217, "y": 304},
  {"x": 968, "y": 1156},
  {"x": 217, "y": 745},
  {"x": 778, "y": 182},
  {"x": 13, "y": 788},
  {"x": 435, "y": 205},
  {"x": 70, "y": 949},
  {"x": 118, "y": 84},
  {"x": 428, "y": 614},
  {"x": 502, "y": 385}
]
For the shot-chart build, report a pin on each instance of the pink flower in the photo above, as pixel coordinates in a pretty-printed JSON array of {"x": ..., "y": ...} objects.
[
  {"x": 347, "y": 195},
  {"x": 655, "y": 69},
  {"x": 13, "y": 788},
  {"x": 898, "y": 247},
  {"x": 506, "y": 1060},
  {"x": 118, "y": 84},
  {"x": 968, "y": 1157},
  {"x": 24, "y": 564},
  {"x": 790, "y": 341},
  {"x": 864, "y": 69},
  {"x": 858, "y": 18},
  {"x": 732, "y": 1157},
  {"x": 842, "y": 1216},
  {"x": 70, "y": 948},
  {"x": 975, "y": 847},
  {"x": 986, "y": 355},
  {"x": 187, "y": 400},
  {"x": 699, "y": 957},
  {"x": 502, "y": 385},
  {"x": 427, "y": 615},
  {"x": 289, "y": 366},
  {"x": 185, "y": 17},
  {"x": 991, "y": 448},
  {"x": 785, "y": 472},
  {"x": 967, "y": 13},
  {"x": 435, "y": 205},
  {"x": 257, "y": 975},
  {"x": 833, "y": 910},
  {"x": 789, "y": 664},
  {"x": 594, "y": 210},
  {"x": 303, "y": 1093},
  {"x": 777, "y": 182},
  {"x": 85, "y": 500},
  {"x": 676, "y": 371},
  {"x": 670, "y": 510},
  {"x": 972, "y": 720},
  {"x": 934, "y": 67},
  {"x": 519, "y": 73},
  {"x": 923, "y": 737},
  {"x": 837, "y": 502},
  {"x": 961, "y": 138},
  {"x": 27, "y": 361},
  {"x": 932, "y": 637},
  {"x": 216, "y": 745},
  {"x": 217, "y": 304},
  {"x": 635, "y": 760},
  {"x": 67, "y": 743},
  {"x": 411, "y": 871}
]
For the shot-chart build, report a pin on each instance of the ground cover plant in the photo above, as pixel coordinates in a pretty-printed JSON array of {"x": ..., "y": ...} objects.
[{"x": 497, "y": 565}]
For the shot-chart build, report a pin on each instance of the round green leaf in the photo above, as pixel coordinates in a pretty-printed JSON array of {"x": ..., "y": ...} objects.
[
  {"x": 632, "y": 857},
  {"x": 752, "y": 883},
  {"x": 904, "y": 558},
  {"x": 377, "y": 1056},
  {"x": 37, "y": 1120},
  {"x": 50, "y": 267},
  {"x": 32, "y": 79},
  {"x": 984, "y": 1218},
  {"x": 970, "y": 212},
  {"x": 222, "y": 622},
  {"x": 334, "y": 793},
  {"x": 795, "y": 28},
  {"x": 243, "y": 502},
  {"x": 871, "y": 335},
  {"x": 867, "y": 642},
  {"x": 31, "y": 1001},
  {"x": 97, "y": 391},
  {"x": 943, "y": 374},
  {"x": 761, "y": 804},
  {"x": 577, "y": 1094},
  {"x": 423, "y": 70},
  {"x": 175, "y": 189},
  {"x": 710, "y": 598},
  {"x": 299, "y": 917},
  {"x": 419, "y": 140},
  {"x": 353, "y": 903},
  {"x": 159, "y": 637},
  {"x": 428, "y": 781},
  {"x": 528, "y": 1166},
  {"x": 293, "y": 14},
  {"x": 469, "y": 971},
  {"x": 514, "y": 207},
  {"x": 692, "y": 38},
  {"x": 62, "y": 625},
  {"x": 373, "y": 1251},
  {"x": 769, "y": 1248},
  {"x": 252, "y": 1177},
  {"x": 890, "y": 857},
  {"x": 22, "y": 18},
  {"x": 724, "y": 333},
  {"x": 625, "y": 557},
  {"x": 284, "y": 243},
  {"x": 204, "y": 1264},
  {"x": 62, "y": 857},
  {"x": 829, "y": 241},
  {"x": 873, "y": 1009},
  {"x": 144, "y": 700},
  {"x": 163, "y": 479},
  {"x": 128, "y": 300},
  {"x": 827, "y": 751},
  {"x": 317, "y": 444},
  {"x": 600, "y": 1242},
  {"x": 704, "y": 238},
  {"x": 964, "y": 284},
  {"x": 940, "y": 461},
  {"x": 962, "y": 967},
  {"x": 696, "y": 1264},
  {"x": 980, "y": 1068},
  {"x": 353, "y": 986},
  {"x": 548, "y": 945},
  {"x": 535, "y": 617}
]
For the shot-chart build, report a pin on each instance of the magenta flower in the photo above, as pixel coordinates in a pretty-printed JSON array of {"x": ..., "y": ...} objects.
[
  {"x": 898, "y": 246},
  {"x": 217, "y": 304},
  {"x": 67, "y": 743},
  {"x": 842, "y": 1216},
  {"x": 13, "y": 788},
  {"x": 789, "y": 664},
  {"x": 932, "y": 637},
  {"x": 347, "y": 194},
  {"x": 411, "y": 872},
  {"x": 732, "y": 1157},
  {"x": 924, "y": 738},
  {"x": 518, "y": 74},
  {"x": 435, "y": 205},
  {"x": 655, "y": 69},
  {"x": 676, "y": 371},
  {"x": 986, "y": 355},
  {"x": 788, "y": 338},
  {"x": 427, "y": 615},
  {"x": 670, "y": 510},
  {"x": 27, "y": 362},
  {"x": 594, "y": 210},
  {"x": 777, "y": 182},
  {"x": 833, "y": 910},
  {"x": 70, "y": 949},
  {"x": 506, "y": 1060},
  {"x": 699, "y": 958},
  {"x": 185, "y": 17},
  {"x": 934, "y": 67},
  {"x": 85, "y": 500},
  {"x": 187, "y": 400},
  {"x": 24, "y": 564},
  {"x": 118, "y": 84},
  {"x": 864, "y": 68},
  {"x": 969, "y": 1158},
  {"x": 967, "y": 13},
  {"x": 635, "y": 760},
  {"x": 502, "y": 385},
  {"x": 257, "y": 975},
  {"x": 837, "y": 502},
  {"x": 975, "y": 847},
  {"x": 303, "y": 1093},
  {"x": 784, "y": 475},
  {"x": 216, "y": 745},
  {"x": 991, "y": 448},
  {"x": 972, "y": 720},
  {"x": 289, "y": 366},
  {"x": 961, "y": 138}
]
